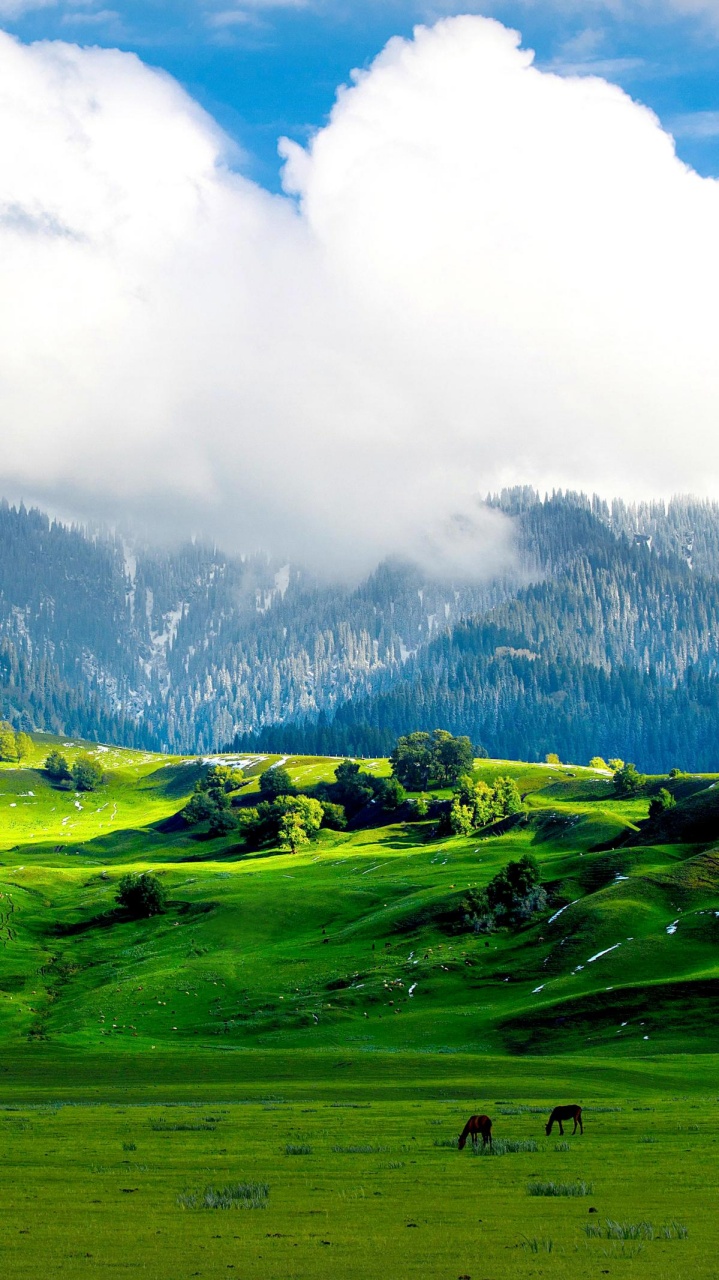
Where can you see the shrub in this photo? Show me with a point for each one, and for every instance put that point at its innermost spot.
(552, 758)
(141, 895)
(598, 762)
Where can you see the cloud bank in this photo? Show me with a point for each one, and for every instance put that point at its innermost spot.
(481, 274)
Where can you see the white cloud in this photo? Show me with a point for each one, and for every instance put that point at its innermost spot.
(696, 125)
(491, 274)
(16, 8)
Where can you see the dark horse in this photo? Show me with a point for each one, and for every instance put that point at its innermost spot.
(566, 1113)
(474, 1126)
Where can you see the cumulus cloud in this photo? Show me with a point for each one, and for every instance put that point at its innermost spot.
(480, 274)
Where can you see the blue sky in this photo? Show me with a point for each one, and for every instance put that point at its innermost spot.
(265, 68)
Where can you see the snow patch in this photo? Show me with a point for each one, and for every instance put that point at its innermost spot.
(557, 914)
(672, 928)
(603, 953)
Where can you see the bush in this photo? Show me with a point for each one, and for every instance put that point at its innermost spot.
(598, 762)
(86, 773)
(552, 758)
(141, 895)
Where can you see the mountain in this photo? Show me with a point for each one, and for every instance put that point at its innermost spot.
(603, 641)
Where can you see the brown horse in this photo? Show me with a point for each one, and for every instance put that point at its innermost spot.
(566, 1113)
(475, 1126)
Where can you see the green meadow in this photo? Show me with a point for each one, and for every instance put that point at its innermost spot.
(301, 1038)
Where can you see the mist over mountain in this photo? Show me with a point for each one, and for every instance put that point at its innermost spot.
(603, 638)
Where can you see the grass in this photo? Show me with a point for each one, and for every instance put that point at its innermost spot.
(268, 1013)
(238, 1195)
(559, 1188)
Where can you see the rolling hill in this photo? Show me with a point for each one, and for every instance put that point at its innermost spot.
(359, 941)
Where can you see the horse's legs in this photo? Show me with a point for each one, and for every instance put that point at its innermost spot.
(581, 1126)
(574, 1130)
(561, 1129)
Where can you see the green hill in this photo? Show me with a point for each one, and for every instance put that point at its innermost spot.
(360, 940)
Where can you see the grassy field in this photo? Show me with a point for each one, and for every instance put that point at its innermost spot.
(315, 1024)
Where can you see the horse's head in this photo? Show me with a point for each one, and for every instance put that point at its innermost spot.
(548, 1128)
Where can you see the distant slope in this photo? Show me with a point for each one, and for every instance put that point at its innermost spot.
(596, 642)
(615, 653)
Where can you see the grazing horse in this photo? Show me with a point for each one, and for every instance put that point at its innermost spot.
(474, 1126)
(566, 1113)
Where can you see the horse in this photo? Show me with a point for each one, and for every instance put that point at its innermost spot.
(475, 1126)
(559, 1114)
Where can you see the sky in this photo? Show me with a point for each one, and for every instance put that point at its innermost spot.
(311, 276)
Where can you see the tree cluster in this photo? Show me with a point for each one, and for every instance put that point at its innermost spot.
(476, 804)
(510, 899)
(85, 773)
(211, 803)
(421, 759)
(13, 746)
(141, 896)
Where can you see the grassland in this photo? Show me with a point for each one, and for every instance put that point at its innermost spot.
(326, 1000)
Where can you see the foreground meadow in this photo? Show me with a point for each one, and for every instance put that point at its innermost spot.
(353, 1168)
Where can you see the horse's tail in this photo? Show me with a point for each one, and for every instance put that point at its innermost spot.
(464, 1135)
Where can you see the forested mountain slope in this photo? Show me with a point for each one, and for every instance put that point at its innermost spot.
(603, 640)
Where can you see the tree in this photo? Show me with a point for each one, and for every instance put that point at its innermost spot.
(353, 788)
(86, 773)
(411, 760)
(615, 763)
(661, 802)
(333, 816)
(199, 808)
(461, 819)
(57, 767)
(23, 745)
(477, 797)
(629, 781)
(511, 898)
(390, 793)
(300, 819)
(221, 777)
(450, 757)
(552, 758)
(276, 782)
(222, 822)
(597, 762)
(8, 745)
(506, 799)
(141, 895)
